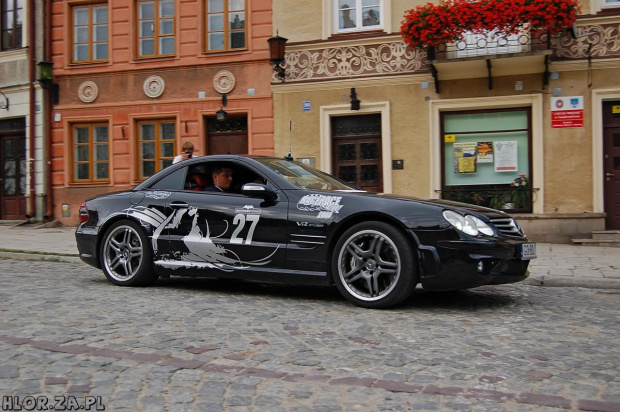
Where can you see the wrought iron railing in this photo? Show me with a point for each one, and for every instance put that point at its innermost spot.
(492, 44)
(514, 200)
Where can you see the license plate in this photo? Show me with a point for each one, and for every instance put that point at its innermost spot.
(528, 251)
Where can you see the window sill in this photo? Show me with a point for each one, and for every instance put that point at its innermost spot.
(362, 34)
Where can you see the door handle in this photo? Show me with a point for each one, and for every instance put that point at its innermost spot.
(609, 174)
(179, 205)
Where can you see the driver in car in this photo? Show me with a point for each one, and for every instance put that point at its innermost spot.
(222, 180)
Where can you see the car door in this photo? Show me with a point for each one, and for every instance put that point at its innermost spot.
(226, 234)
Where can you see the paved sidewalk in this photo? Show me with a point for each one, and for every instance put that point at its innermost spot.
(556, 265)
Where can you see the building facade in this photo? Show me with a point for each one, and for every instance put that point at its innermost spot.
(139, 78)
(23, 173)
(530, 126)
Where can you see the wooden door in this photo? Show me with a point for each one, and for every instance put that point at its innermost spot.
(356, 151)
(14, 174)
(227, 137)
(612, 178)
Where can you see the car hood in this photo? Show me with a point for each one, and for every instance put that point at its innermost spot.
(449, 204)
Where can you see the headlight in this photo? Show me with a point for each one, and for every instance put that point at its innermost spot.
(469, 224)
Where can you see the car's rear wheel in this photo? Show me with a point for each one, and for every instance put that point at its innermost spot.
(126, 256)
(373, 265)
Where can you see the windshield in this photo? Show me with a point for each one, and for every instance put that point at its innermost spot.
(304, 176)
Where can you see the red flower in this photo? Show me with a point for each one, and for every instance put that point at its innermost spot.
(436, 24)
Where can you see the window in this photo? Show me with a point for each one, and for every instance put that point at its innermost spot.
(485, 155)
(611, 3)
(226, 28)
(156, 146)
(11, 20)
(354, 15)
(91, 153)
(90, 33)
(156, 28)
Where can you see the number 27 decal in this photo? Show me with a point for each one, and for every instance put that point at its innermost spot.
(239, 221)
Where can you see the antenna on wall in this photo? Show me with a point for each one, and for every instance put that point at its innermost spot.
(289, 156)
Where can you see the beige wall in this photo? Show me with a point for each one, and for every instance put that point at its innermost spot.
(408, 121)
(309, 20)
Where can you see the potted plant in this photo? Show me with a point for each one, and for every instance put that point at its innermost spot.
(519, 196)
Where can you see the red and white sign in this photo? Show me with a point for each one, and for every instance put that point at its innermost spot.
(567, 111)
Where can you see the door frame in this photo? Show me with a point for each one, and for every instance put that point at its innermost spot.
(383, 108)
(599, 96)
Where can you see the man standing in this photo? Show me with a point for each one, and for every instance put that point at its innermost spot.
(187, 153)
(222, 179)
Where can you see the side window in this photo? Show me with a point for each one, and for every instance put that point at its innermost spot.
(90, 158)
(201, 176)
(11, 20)
(156, 28)
(226, 25)
(174, 181)
(90, 33)
(355, 15)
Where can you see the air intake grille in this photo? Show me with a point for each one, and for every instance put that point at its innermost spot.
(507, 226)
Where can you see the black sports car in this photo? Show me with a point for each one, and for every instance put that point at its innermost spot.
(284, 221)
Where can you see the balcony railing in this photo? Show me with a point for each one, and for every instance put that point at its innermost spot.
(510, 199)
(492, 43)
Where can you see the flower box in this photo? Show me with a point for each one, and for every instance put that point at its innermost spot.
(450, 21)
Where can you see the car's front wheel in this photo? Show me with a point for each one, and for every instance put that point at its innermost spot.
(126, 256)
(373, 265)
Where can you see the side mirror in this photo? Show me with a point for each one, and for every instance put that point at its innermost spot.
(259, 190)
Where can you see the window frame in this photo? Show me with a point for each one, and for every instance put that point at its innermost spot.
(17, 26)
(92, 144)
(226, 30)
(502, 187)
(157, 36)
(359, 18)
(91, 29)
(161, 162)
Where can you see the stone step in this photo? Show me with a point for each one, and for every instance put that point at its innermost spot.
(597, 242)
(606, 234)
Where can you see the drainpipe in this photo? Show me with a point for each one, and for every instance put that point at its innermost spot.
(47, 40)
(31, 124)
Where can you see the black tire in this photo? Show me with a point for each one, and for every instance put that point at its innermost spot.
(373, 265)
(126, 255)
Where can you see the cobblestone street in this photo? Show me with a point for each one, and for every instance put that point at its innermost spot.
(215, 345)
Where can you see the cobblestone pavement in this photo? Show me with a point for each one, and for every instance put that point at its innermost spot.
(211, 345)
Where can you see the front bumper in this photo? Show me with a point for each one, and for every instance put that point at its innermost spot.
(468, 263)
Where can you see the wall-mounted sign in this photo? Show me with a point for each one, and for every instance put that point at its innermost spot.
(567, 111)
(306, 106)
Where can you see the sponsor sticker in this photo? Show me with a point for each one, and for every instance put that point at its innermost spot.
(248, 210)
(325, 205)
(157, 194)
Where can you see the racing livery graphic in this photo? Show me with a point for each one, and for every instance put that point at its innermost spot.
(202, 252)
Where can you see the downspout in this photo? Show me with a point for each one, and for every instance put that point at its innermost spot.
(31, 124)
(47, 40)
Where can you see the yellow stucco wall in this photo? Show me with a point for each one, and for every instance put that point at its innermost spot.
(303, 20)
(408, 119)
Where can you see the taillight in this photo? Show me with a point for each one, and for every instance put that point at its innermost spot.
(83, 215)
